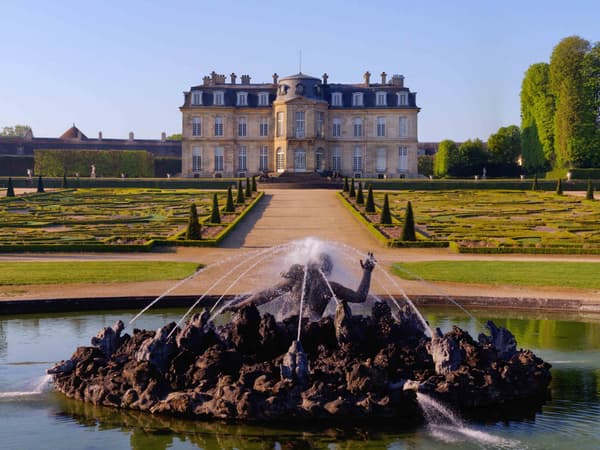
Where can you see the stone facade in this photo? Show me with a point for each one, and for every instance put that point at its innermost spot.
(299, 124)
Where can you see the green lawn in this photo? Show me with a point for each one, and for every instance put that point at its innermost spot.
(563, 274)
(59, 272)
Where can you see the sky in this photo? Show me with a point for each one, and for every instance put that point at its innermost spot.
(121, 66)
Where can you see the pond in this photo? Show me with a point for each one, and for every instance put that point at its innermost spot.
(34, 416)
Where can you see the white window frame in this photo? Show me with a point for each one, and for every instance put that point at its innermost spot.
(196, 126)
(381, 127)
(381, 98)
(280, 123)
(242, 158)
(219, 126)
(336, 127)
(218, 98)
(196, 98)
(403, 158)
(263, 99)
(357, 159)
(219, 159)
(357, 126)
(381, 156)
(263, 158)
(336, 99)
(319, 124)
(242, 127)
(403, 126)
(402, 98)
(280, 160)
(300, 128)
(357, 99)
(196, 159)
(263, 127)
(242, 99)
(336, 159)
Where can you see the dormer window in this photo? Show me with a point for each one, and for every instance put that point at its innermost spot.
(402, 98)
(196, 97)
(218, 98)
(263, 99)
(357, 99)
(242, 99)
(336, 99)
(381, 99)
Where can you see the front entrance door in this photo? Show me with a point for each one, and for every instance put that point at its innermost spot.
(319, 159)
(300, 160)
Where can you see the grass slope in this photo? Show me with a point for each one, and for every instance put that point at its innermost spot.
(517, 273)
(59, 272)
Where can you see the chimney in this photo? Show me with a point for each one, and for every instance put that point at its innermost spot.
(131, 135)
(163, 136)
(245, 79)
(206, 80)
(398, 80)
(367, 78)
(99, 135)
(213, 77)
(325, 77)
(383, 78)
(275, 78)
(233, 77)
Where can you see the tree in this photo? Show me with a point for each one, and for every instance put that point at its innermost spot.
(370, 206)
(40, 186)
(352, 189)
(193, 230)
(248, 188)
(346, 188)
(591, 89)
(566, 84)
(472, 158)
(559, 189)
(504, 148)
(215, 216)
(425, 165)
(589, 195)
(240, 193)
(360, 199)
(175, 137)
(254, 188)
(229, 206)
(10, 190)
(386, 214)
(16, 131)
(445, 158)
(408, 229)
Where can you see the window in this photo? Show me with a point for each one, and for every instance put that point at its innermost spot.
(242, 127)
(403, 158)
(380, 162)
(219, 158)
(336, 159)
(358, 128)
(263, 160)
(319, 124)
(402, 98)
(300, 160)
(218, 126)
(242, 99)
(263, 127)
(279, 124)
(357, 159)
(218, 98)
(197, 98)
(403, 126)
(196, 126)
(196, 159)
(336, 99)
(381, 127)
(280, 161)
(381, 99)
(242, 157)
(357, 99)
(299, 124)
(263, 99)
(336, 130)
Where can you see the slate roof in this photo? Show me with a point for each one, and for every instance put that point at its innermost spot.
(73, 133)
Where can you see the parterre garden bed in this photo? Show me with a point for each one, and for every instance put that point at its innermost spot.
(493, 221)
(110, 219)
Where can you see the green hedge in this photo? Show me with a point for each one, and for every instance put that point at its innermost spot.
(159, 183)
(166, 165)
(15, 165)
(108, 163)
(458, 184)
(585, 174)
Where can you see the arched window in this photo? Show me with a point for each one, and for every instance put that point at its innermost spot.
(300, 160)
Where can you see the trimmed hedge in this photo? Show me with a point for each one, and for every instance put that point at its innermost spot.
(14, 165)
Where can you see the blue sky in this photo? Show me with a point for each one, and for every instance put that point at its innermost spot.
(122, 66)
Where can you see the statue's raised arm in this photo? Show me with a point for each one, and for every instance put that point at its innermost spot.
(360, 295)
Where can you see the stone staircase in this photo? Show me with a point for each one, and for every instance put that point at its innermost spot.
(308, 180)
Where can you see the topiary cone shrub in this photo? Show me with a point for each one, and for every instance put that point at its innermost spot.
(64, 182)
(559, 189)
(352, 190)
(370, 206)
(360, 199)
(534, 186)
(240, 194)
(215, 216)
(346, 188)
(193, 230)
(408, 229)
(229, 206)
(10, 190)
(40, 186)
(248, 188)
(254, 189)
(386, 214)
(589, 194)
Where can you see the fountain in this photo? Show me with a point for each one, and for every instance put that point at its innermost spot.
(306, 346)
